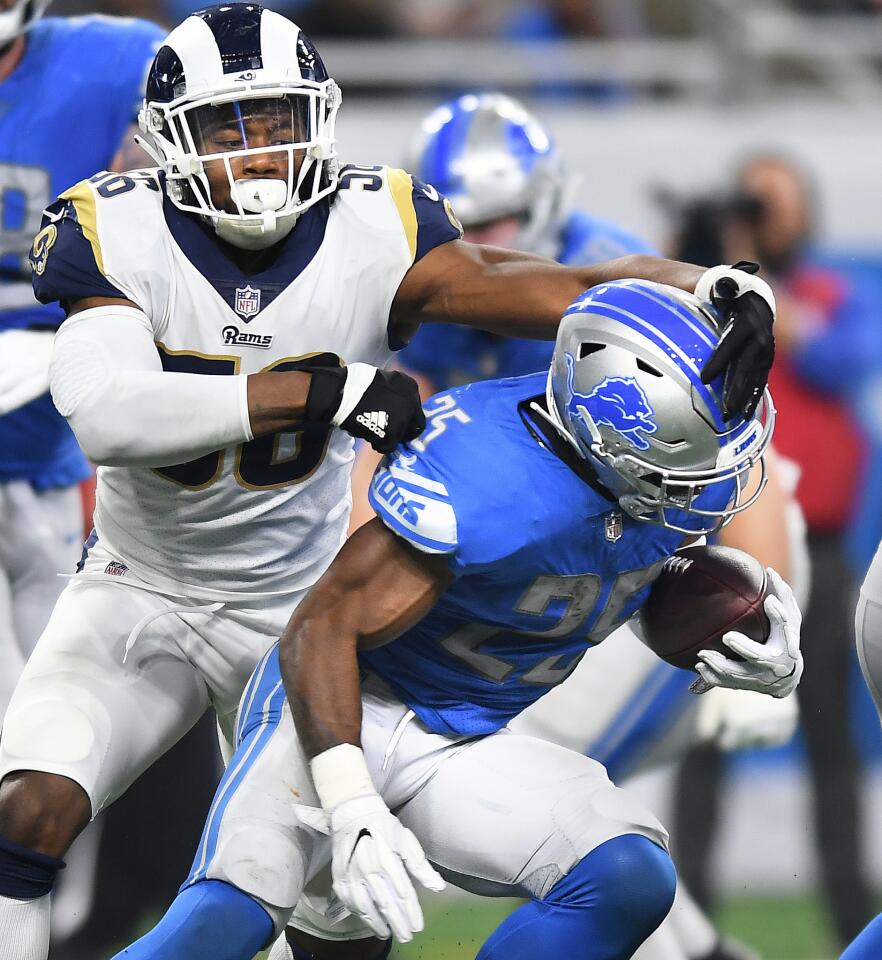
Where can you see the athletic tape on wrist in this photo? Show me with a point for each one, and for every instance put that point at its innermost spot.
(705, 287)
(747, 283)
(359, 377)
(341, 774)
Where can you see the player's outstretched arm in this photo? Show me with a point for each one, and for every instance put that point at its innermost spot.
(522, 295)
(376, 588)
(512, 293)
(107, 379)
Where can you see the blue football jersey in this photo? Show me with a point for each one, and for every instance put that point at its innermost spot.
(63, 113)
(546, 564)
(451, 355)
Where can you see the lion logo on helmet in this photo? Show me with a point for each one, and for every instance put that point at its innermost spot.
(616, 402)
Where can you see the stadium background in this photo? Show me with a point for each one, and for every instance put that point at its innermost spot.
(643, 96)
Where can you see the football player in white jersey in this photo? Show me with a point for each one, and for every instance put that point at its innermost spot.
(226, 314)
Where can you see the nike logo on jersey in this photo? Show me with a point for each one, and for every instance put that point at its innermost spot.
(376, 421)
(235, 337)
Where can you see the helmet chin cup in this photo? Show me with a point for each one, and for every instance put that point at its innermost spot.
(258, 233)
(10, 25)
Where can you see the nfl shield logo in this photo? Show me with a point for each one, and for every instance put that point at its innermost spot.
(247, 302)
(613, 526)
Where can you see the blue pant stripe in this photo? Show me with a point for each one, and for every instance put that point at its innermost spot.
(250, 693)
(641, 721)
(232, 779)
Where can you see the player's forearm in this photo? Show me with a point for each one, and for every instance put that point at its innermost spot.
(642, 266)
(525, 296)
(320, 672)
(277, 401)
(377, 587)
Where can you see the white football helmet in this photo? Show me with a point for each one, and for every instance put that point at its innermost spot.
(21, 16)
(234, 82)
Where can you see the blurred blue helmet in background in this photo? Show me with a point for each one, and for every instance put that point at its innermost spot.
(493, 159)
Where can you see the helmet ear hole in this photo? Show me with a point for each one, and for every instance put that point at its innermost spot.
(648, 368)
(586, 349)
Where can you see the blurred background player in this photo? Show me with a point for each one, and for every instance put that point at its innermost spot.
(868, 633)
(827, 347)
(500, 168)
(70, 90)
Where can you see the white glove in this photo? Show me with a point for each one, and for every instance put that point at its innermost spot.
(739, 719)
(24, 366)
(773, 667)
(373, 853)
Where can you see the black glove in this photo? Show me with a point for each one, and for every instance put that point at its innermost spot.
(747, 345)
(382, 407)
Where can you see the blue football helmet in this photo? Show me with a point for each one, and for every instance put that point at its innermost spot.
(221, 70)
(625, 391)
(492, 159)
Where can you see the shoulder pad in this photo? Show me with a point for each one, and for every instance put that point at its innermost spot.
(425, 216)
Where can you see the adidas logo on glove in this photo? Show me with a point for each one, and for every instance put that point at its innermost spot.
(375, 421)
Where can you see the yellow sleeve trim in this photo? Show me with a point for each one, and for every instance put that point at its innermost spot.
(83, 200)
(401, 187)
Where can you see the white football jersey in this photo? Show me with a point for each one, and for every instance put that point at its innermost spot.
(269, 515)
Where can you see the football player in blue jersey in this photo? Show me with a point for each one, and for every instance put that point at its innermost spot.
(69, 93)
(500, 168)
(524, 525)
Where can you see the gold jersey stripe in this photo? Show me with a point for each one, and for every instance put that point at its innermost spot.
(401, 186)
(84, 202)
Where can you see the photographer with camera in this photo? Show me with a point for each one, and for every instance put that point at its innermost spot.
(825, 332)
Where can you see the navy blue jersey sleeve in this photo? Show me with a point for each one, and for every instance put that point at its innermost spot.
(436, 221)
(427, 217)
(65, 258)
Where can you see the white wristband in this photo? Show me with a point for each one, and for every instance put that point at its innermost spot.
(747, 283)
(358, 379)
(341, 774)
(705, 287)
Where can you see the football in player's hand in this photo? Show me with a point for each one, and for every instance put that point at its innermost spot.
(701, 594)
